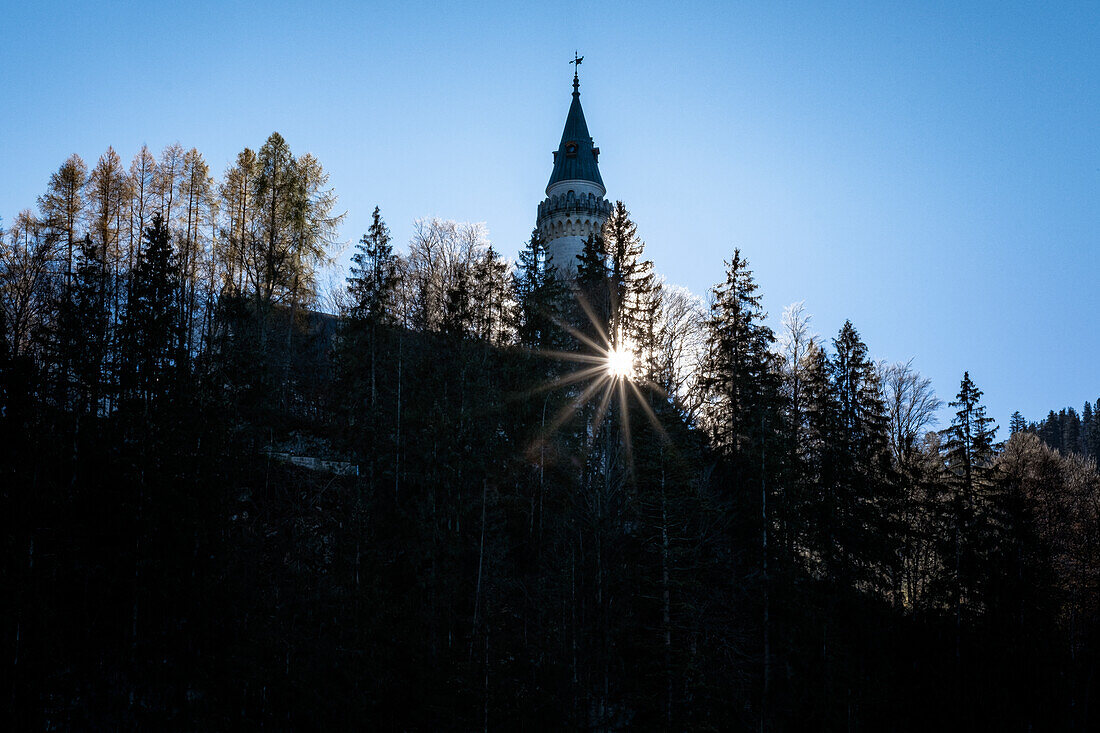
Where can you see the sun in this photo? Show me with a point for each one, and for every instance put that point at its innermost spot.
(620, 363)
(606, 380)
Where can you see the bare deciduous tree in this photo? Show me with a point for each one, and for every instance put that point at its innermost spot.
(24, 278)
(911, 404)
(441, 253)
(796, 343)
(680, 345)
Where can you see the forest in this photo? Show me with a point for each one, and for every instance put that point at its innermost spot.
(464, 492)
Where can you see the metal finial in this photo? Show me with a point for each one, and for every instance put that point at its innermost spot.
(576, 67)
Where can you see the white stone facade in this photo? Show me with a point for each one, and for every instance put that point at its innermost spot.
(572, 211)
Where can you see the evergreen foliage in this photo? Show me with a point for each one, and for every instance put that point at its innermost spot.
(540, 298)
(151, 324)
(372, 284)
(439, 509)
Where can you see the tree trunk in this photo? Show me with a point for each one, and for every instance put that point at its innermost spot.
(764, 548)
(666, 599)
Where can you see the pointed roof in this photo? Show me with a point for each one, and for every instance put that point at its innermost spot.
(576, 157)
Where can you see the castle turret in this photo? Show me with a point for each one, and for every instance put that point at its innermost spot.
(575, 206)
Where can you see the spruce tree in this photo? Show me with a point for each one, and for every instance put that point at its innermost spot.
(458, 311)
(151, 324)
(630, 279)
(740, 376)
(8, 391)
(86, 325)
(745, 419)
(968, 451)
(1050, 430)
(592, 309)
(490, 297)
(540, 298)
(1071, 431)
(1094, 431)
(373, 280)
(1089, 431)
(370, 316)
(864, 486)
(812, 508)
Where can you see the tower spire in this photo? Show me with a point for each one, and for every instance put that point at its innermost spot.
(575, 207)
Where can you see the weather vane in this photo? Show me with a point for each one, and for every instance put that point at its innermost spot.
(576, 67)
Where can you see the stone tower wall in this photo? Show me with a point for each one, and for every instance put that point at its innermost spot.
(565, 221)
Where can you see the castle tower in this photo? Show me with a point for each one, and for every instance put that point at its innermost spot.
(575, 206)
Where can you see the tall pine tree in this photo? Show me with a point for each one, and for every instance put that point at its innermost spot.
(968, 452)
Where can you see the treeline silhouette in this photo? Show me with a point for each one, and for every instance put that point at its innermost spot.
(434, 507)
(1065, 431)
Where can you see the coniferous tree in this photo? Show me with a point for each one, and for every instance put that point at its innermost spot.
(740, 373)
(276, 190)
(1096, 429)
(62, 205)
(7, 389)
(151, 325)
(108, 196)
(813, 508)
(490, 297)
(630, 279)
(143, 175)
(239, 206)
(294, 227)
(373, 280)
(606, 308)
(86, 327)
(196, 203)
(107, 189)
(369, 317)
(312, 228)
(756, 546)
(594, 287)
(169, 172)
(1090, 431)
(1071, 431)
(540, 298)
(458, 312)
(968, 452)
(1050, 430)
(865, 487)
(744, 417)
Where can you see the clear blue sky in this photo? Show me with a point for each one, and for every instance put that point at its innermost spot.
(929, 170)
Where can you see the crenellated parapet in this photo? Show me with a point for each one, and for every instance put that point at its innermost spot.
(572, 215)
(574, 203)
